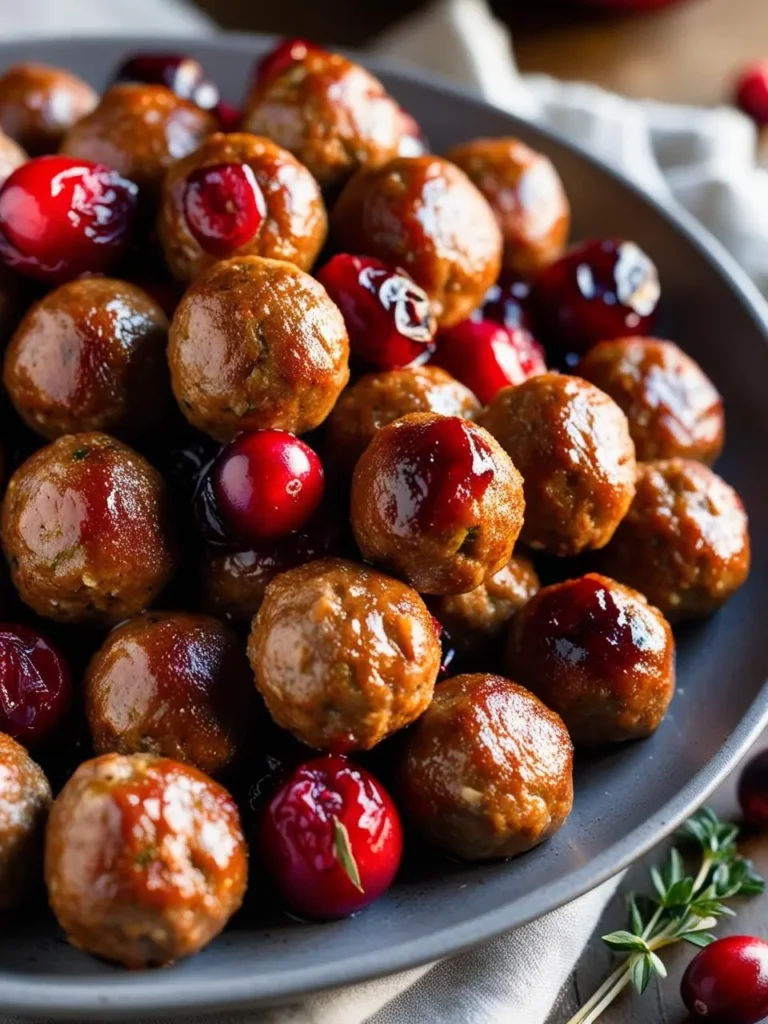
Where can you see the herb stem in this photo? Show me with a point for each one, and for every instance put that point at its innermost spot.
(609, 997)
(703, 874)
(610, 981)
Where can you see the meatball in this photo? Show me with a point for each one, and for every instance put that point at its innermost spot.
(571, 443)
(140, 130)
(332, 114)
(343, 655)
(488, 770)
(684, 542)
(84, 528)
(378, 399)
(145, 859)
(436, 500)
(172, 684)
(90, 355)
(257, 343)
(527, 196)
(672, 406)
(39, 104)
(599, 655)
(425, 215)
(278, 209)
(475, 619)
(25, 797)
(11, 157)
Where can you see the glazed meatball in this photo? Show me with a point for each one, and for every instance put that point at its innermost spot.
(343, 655)
(527, 196)
(145, 859)
(140, 130)
(25, 797)
(672, 406)
(11, 157)
(257, 343)
(425, 215)
(475, 619)
(571, 443)
(599, 655)
(487, 771)
(378, 399)
(684, 542)
(85, 529)
(90, 355)
(436, 500)
(39, 104)
(239, 195)
(171, 684)
(332, 114)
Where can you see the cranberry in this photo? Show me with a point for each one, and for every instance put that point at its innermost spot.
(752, 92)
(727, 982)
(224, 207)
(61, 217)
(229, 116)
(262, 486)
(35, 688)
(388, 316)
(183, 75)
(331, 837)
(598, 290)
(279, 59)
(753, 790)
(506, 302)
(486, 356)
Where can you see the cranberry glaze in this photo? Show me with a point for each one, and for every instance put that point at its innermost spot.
(35, 685)
(25, 798)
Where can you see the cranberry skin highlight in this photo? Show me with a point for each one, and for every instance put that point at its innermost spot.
(507, 302)
(279, 59)
(727, 982)
(752, 92)
(182, 75)
(224, 207)
(35, 685)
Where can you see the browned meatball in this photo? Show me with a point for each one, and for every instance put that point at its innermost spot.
(378, 399)
(39, 104)
(527, 196)
(332, 114)
(172, 684)
(140, 130)
(85, 530)
(672, 406)
(11, 157)
(425, 215)
(145, 859)
(90, 355)
(684, 542)
(436, 500)
(599, 655)
(25, 797)
(294, 223)
(487, 771)
(572, 445)
(474, 620)
(257, 343)
(343, 655)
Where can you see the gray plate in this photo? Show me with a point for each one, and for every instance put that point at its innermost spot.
(626, 800)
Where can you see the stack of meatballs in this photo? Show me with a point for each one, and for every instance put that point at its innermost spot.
(294, 413)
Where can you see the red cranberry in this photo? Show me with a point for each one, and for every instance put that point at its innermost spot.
(279, 59)
(183, 75)
(388, 317)
(506, 302)
(727, 982)
(35, 688)
(752, 92)
(61, 217)
(331, 837)
(486, 357)
(229, 116)
(224, 207)
(753, 790)
(598, 290)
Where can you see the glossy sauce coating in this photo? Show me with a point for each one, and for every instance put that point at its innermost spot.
(488, 770)
(39, 104)
(599, 655)
(343, 655)
(257, 343)
(572, 445)
(90, 355)
(435, 499)
(25, 798)
(425, 215)
(145, 860)
(85, 530)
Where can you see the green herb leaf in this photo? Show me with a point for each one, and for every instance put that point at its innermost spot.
(625, 941)
(635, 917)
(658, 883)
(343, 850)
(641, 973)
(80, 453)
(679, 893)
(657, 965)
(676, 871)
(700, 939)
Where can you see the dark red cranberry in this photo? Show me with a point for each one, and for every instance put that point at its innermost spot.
(487, 356)
(229, 116)
(600, 289)
(388, 316)
(61, 217)
(727, 982)
(183, 75)
(35, 687)
(279, 59)
(752, 92)
(224, 207)
(753, 790)
(331, 838)
(507, 302)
